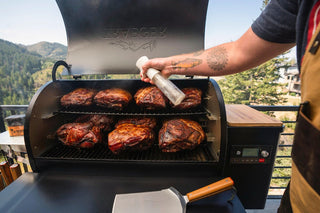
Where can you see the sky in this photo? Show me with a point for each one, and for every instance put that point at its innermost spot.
(227, 20)
(31, 21)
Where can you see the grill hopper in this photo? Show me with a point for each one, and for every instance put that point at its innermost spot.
(107, 37)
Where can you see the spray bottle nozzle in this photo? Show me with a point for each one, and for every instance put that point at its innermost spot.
(173, 93)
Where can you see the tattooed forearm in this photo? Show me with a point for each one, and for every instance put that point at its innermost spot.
(186, 63)
(217, 58)
(198, 53)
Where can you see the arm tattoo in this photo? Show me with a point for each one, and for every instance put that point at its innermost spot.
(186, 63)
(198, 53)
(217, 58)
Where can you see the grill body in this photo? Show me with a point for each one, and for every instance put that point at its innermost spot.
(45, 116)
(213, 159)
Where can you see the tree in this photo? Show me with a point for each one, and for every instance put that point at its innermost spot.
(258, 85)
(264, 3)
(255, 86)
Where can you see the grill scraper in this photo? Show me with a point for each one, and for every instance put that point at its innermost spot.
(166, 200)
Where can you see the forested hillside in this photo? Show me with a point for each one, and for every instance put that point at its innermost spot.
(17, 65)
(49, 50)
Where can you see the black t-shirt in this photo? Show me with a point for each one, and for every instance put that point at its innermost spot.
(287, 21)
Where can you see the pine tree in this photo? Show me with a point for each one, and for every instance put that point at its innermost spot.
(255, 86)
(258, 85)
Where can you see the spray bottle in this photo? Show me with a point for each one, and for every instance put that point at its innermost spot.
(173, 93)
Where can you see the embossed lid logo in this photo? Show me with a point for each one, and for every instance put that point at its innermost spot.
(130, 38)
(127, 33)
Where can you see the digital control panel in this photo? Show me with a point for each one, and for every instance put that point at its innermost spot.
(250, 154)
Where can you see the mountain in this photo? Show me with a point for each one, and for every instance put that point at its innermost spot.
(54, 51)
(17, 59)
(17, 65)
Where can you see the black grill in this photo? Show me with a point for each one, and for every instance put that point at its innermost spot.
(45, 115)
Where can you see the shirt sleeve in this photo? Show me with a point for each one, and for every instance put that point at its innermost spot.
(277, 22)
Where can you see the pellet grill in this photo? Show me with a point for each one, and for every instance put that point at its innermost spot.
(107, 37)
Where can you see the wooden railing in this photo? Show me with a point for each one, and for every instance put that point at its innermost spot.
(7, 110)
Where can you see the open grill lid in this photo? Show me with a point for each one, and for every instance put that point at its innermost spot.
(108, 36)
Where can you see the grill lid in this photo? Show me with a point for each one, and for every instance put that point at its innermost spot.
(108, 36)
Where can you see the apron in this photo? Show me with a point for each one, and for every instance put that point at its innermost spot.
(303, 192)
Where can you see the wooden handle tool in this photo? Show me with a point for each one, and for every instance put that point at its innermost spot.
(212, 189)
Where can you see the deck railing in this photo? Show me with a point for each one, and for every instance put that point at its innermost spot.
(282, 168)
(6, 110)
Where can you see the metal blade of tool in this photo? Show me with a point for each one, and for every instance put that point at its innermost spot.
(166, 200)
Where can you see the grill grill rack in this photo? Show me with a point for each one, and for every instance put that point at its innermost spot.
(135, 113)
(194, 114)
(132, 110)
(203, 153)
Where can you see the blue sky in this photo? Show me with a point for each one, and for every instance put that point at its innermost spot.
(227, 20)
(31, 21)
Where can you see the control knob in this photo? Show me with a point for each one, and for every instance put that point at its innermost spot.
(264, 153)
(238, 152)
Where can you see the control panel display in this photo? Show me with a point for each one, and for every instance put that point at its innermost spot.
(250, 152)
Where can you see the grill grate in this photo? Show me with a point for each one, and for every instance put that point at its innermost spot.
(132, 110)
(100, 152)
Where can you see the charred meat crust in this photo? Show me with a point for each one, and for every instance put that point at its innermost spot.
(180, 134)
(114, 98)
(150, 98)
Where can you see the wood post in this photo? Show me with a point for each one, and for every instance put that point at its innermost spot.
(6, 173)
(1, 183)
(15, 171)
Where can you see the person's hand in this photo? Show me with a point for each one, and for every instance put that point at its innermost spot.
(161, 64)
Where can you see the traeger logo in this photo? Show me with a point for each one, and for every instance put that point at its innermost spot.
(128, 33)
(135, 38)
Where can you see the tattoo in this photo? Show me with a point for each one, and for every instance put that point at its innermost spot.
(198, 53)
(185, 64)
(217, 58)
